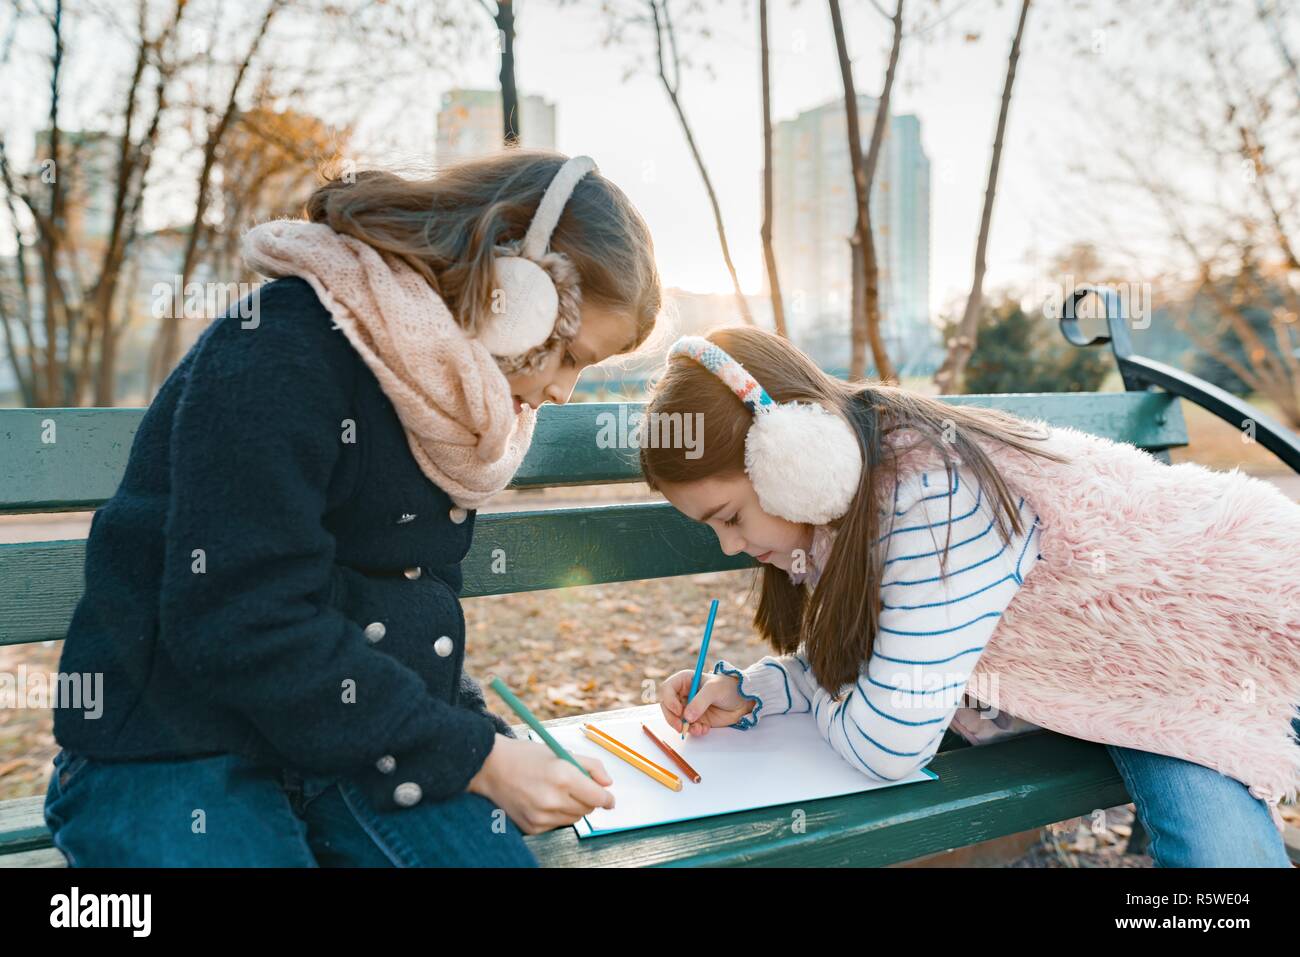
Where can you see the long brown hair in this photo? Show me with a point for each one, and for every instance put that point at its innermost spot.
(836, 623)
(445, 225)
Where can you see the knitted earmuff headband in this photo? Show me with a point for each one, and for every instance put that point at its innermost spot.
(537, 306)
(802, 458)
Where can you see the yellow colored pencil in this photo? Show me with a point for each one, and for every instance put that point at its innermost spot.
(646, 766)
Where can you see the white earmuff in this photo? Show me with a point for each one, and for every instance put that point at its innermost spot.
(804, 462)
(803, 459)
(525, 302)
(528, 307)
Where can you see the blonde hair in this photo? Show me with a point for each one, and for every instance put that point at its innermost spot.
(837, 622)
(446, 225)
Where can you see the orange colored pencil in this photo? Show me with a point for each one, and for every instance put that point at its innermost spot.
(677, 758)
(638, 761)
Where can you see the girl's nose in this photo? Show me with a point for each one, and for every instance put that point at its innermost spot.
(560, 392)
(731, 544)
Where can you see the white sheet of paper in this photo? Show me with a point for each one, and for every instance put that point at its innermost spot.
(781, 760)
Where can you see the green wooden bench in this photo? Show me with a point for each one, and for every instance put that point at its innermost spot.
(982, 793)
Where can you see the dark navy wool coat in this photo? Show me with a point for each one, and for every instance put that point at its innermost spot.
(276, 578)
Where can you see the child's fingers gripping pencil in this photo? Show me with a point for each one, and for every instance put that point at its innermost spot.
(519, 708)
(699, 663)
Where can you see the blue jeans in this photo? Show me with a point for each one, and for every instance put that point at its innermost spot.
(223, 811)
(1195, 816)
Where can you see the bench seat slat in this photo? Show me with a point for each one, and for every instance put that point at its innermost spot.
(22, 825)
(582, 444)
(48, 857)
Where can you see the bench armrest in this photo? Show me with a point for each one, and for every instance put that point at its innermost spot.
(1139, 373)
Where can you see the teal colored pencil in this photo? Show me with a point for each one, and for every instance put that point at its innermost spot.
(521, 709)
(699, 662)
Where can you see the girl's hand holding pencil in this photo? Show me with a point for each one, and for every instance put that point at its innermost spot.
(717, 704)
(540, 786)
(684, 697)
(538, 790)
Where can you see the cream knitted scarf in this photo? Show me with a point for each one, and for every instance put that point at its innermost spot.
(452, 399)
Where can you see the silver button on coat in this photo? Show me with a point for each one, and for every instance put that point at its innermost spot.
(444, 646)
(375, 631)
(386, 764)
(413, 573)
(407, 794)
(458, 514)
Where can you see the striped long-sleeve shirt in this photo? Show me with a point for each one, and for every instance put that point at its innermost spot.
(889, 723)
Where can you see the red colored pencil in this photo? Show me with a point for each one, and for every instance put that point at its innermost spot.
(677, 758)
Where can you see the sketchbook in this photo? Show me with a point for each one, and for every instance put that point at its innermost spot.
(781, 760)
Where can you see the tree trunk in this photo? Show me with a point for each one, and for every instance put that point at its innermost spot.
(505, 20)
(133, 164)
(864, 323)
(169, 335)
(671, 88)
(769, 254)
(51, 283)
(950, 376)
(857, 312)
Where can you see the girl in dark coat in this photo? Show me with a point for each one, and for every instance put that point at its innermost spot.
(272, 593)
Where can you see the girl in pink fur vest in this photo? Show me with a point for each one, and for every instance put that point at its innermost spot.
(916, 552)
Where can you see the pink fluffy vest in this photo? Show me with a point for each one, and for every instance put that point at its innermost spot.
(1164, 615)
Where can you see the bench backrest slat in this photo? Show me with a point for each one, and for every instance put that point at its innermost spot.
(59, 460)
